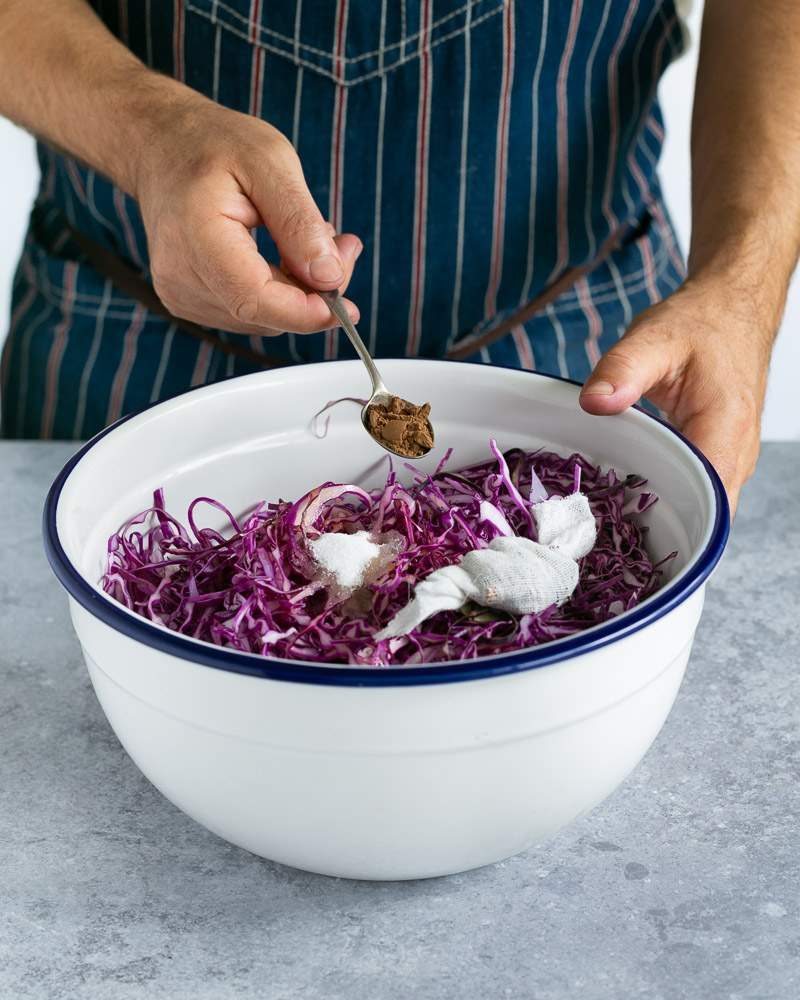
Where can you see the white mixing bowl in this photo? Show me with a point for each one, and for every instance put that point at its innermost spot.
(379, 773)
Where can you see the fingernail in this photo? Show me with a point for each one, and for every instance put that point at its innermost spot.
(599, 389)
(359, 250)
(326, 269)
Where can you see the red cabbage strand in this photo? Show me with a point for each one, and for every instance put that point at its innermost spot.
(256, 587)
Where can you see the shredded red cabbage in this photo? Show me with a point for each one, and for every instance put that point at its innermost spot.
(258, 589)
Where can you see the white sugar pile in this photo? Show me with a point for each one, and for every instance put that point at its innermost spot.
(345, 557)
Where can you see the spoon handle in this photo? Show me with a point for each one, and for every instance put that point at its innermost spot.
(334, 302)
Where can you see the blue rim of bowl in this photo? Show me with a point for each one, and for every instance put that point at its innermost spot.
(107, 610)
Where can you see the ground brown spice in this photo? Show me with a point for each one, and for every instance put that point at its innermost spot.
(402, 426)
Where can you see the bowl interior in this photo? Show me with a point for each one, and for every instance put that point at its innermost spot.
(251, 438)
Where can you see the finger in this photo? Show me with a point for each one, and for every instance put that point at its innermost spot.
(729, 442)
(206, 311)
(249, 291)
(319, 318)
(350, 248)
(303, 238)
(641, 359)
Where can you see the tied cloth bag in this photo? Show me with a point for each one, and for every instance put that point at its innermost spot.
(512, 574)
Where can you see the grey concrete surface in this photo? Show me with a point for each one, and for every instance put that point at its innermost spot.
(684, 884)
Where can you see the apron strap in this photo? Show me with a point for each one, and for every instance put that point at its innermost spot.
(138, 288)
(469, 345)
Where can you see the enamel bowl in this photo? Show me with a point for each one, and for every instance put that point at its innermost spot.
(375, 773)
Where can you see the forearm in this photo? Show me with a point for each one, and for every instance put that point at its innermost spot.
(66, 78)
(746, 150)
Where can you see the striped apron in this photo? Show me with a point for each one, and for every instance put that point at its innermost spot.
(480, 149)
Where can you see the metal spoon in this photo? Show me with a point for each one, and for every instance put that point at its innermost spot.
(380, 394)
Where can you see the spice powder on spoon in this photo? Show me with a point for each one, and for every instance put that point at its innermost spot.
(401, 425)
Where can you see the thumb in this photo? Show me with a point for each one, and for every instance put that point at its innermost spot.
(303, 238)
(639, 361)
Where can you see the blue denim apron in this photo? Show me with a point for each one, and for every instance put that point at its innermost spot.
(478, 147)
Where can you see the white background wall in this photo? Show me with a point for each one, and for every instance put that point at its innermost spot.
(782, 415)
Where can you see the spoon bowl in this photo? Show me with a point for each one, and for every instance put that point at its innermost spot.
(401, 427)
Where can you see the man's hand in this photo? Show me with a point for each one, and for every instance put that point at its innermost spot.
(212, 175)
(702, 357)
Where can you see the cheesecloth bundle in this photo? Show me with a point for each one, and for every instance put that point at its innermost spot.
(513, 573)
